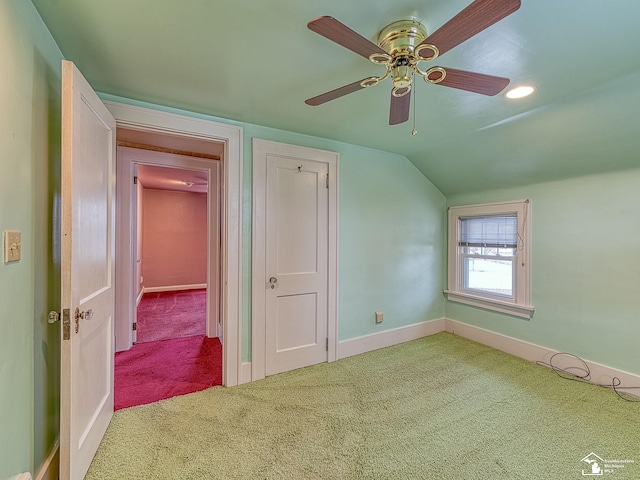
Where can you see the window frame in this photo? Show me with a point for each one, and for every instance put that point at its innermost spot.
(519, 304)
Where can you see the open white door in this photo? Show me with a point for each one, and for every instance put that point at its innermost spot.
(87, 268)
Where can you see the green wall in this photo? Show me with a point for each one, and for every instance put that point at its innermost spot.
(392, 252)
(585, 259)
(29, 159)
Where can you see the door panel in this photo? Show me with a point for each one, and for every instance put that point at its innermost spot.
(294, 257)
(297, 256)
(87, 268)
(296, 322)
(295, 217)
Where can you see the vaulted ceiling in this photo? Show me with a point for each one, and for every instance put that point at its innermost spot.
(255, 61)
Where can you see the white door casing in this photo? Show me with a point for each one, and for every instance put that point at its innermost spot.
(156, 121)
(127, 161)
(87, 270)
(294, 264)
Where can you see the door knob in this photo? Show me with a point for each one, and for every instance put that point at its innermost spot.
(88, 315)
(273, 281)
(53, 316)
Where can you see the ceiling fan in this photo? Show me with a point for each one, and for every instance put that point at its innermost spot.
(404, 44)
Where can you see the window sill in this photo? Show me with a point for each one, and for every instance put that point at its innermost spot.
(522, 311)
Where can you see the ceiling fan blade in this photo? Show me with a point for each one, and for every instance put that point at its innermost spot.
(337, 32)
(399, 111)
(476, 17)
(473, 81)
(333, 94)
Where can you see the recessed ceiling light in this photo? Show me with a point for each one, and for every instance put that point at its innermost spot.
(520, 92)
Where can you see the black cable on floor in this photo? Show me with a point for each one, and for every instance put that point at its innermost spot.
(582, 373)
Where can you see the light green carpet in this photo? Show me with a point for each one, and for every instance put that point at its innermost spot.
(441, 407)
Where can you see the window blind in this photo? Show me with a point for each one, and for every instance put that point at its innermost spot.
(494, 232)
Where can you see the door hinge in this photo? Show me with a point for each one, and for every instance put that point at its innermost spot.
(327, 177)
(135, 326)
(327, 345)
(135, 180)
(66, 324)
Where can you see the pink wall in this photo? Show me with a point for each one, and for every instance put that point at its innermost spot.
(174, 238)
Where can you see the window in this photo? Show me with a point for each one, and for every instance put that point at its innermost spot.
(489, 257)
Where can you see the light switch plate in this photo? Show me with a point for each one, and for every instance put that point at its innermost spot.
(12, 245)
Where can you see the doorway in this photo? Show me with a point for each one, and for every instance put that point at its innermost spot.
(180, 130)
(172, 269)
(174, 200)
(173, 294)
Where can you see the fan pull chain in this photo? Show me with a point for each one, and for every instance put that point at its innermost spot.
(414, 132)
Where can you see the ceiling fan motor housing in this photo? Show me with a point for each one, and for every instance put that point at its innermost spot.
(399, 39)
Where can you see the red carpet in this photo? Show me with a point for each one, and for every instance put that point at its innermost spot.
(164, 315)
(149, 372)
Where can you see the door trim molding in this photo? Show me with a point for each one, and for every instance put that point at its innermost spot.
(126, 215)
(258, 298)
(155, 121)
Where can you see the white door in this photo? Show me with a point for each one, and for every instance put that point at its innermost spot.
(298, 211)
(87, 268)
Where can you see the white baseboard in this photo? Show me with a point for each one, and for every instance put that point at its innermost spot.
(50, 469)
(513, 346)
(171, 288)
(139, 297)
(600, 374)
(374, 341)
(245, 373)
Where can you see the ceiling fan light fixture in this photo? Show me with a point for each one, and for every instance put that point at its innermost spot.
(402, 74)
(520, 92)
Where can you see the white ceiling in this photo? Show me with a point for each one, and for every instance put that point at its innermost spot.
(169, 178)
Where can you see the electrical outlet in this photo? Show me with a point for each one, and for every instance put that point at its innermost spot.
(379, 317)
(12, 245)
